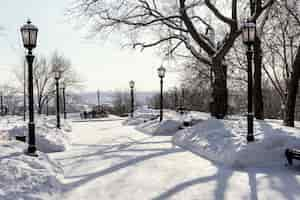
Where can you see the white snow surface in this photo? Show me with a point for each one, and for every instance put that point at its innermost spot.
(155, 127)
(147, 121)
(23, 177)
(110, 161)
(224, 141)
(48, 137)
(141, 115)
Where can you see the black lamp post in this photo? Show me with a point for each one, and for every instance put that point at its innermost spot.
(98, 98)
(131, 85)
(64, 100)
(161, 74)
(1, 102)
(249, 34)
(29, 37)
(175, 99)
(47, 105)
(24, 99)
(57, 75)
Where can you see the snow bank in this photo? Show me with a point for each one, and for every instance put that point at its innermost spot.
(224, 141)
(155, 127)
(48, 137)
(142, 115)
(25, 177)
(146, 120)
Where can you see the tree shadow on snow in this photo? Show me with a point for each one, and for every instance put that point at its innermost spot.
(103, 152)
(91, 176)
(280, 180)
(221, 177)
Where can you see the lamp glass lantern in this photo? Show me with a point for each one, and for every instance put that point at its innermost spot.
(249, 32)
(131, 84)
(29, 35)
(161, 71)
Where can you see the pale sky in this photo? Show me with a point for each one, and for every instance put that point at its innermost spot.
(101, 65)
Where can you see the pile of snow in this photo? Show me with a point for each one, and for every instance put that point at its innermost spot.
(26, 177)
(48, 137)
(142, 115)
(146, 121)
(224, 141)
(155, 127)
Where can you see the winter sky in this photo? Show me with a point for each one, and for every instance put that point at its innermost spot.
(102, 65)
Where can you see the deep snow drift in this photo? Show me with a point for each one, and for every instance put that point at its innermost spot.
(48, 138)
(224, 141)
(26, 177)
(147, 121)
(142, 115)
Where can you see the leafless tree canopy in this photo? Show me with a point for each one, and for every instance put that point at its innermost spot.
(185, 22)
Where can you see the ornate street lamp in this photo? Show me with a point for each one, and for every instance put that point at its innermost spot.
(249, 34)
(29, 37)
(131, 85)
(57, 76)
(161, 74)
(64, 100)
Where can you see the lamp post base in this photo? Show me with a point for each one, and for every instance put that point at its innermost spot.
(250, 136)
(32, 151)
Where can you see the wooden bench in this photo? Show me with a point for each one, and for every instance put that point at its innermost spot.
(292, 154)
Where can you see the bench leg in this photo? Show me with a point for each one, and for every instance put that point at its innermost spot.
(289, 157)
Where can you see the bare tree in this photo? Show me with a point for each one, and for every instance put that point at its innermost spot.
(176, 24)
(43, 75)
(282, 54)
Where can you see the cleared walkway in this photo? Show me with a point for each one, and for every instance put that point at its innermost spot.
(111, 161)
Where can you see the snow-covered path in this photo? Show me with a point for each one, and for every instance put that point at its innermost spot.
(111, 161)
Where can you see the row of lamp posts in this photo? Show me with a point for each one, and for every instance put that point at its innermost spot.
(57, 77)
(161, 74)
(29, 37)
(249, 36)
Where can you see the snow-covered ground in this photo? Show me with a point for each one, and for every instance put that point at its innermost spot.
(24, 177)
(110, 159)
(48, 138)
(27, 178)
(224, 141)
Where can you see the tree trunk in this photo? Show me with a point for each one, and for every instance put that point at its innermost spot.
(40, 107)
(292, 92)
(257, 92)
(219, 94)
